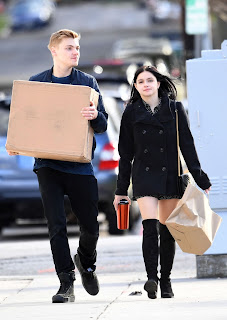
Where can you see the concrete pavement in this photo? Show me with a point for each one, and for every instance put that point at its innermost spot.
(30, 298)
(121, 296)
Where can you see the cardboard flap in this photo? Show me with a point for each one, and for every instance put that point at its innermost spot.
(95, 97)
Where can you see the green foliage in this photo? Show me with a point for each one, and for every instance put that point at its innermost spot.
(3, 22)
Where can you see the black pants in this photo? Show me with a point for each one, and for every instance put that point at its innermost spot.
(83, 195)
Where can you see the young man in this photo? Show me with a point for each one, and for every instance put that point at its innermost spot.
(59, 178)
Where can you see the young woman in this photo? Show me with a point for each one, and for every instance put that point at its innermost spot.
(148, 151)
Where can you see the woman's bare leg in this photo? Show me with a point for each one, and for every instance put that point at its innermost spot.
(148, 207)
(165, 207)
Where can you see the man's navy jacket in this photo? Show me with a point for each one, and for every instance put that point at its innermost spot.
(79, 78)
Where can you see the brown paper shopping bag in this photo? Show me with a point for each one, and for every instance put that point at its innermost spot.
(193, 224)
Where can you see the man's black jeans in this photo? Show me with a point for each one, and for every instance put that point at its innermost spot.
(83, 195)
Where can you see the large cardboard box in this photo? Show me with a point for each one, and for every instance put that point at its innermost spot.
(46, 122)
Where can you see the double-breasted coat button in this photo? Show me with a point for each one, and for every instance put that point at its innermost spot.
(144, 131)
(161, 149)
(163, 168)
(147, 168)
(160, 131)
(145, 151)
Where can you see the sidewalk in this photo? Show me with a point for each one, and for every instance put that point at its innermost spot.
(30, 297)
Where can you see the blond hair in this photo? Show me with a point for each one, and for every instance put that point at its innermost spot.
(57, 37)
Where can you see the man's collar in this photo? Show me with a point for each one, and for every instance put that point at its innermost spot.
(50, 72)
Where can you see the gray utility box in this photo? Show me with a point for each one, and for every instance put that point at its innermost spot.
(207, 107)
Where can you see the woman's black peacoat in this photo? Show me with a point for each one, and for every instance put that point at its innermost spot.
(148, 150)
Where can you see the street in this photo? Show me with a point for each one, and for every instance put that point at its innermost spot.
(28, 281)
(26, 252)
(25, 53)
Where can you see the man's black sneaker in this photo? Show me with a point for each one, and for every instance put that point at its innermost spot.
(66, 290)
(89, 279)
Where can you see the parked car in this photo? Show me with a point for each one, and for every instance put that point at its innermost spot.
(160, 52)
(145, 46)
(19, 192)
(31, 14)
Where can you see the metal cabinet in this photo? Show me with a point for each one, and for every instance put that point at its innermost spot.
(207, 107)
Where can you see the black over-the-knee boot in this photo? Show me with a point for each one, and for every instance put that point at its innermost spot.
(167, 253)
(150, 255)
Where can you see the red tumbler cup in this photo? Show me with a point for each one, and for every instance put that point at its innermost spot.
(123, 214)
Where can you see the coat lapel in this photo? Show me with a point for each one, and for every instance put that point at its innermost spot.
(164, 114)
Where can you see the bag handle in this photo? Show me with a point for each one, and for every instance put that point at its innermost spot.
(178, 147)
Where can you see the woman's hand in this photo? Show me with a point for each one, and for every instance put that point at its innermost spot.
(90, 113)
(207, 190)
(117, 200)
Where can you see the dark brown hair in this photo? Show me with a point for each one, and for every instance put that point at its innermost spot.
(166, 84)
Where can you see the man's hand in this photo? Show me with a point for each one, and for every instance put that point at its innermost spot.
(11, 153)
(90, 113)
